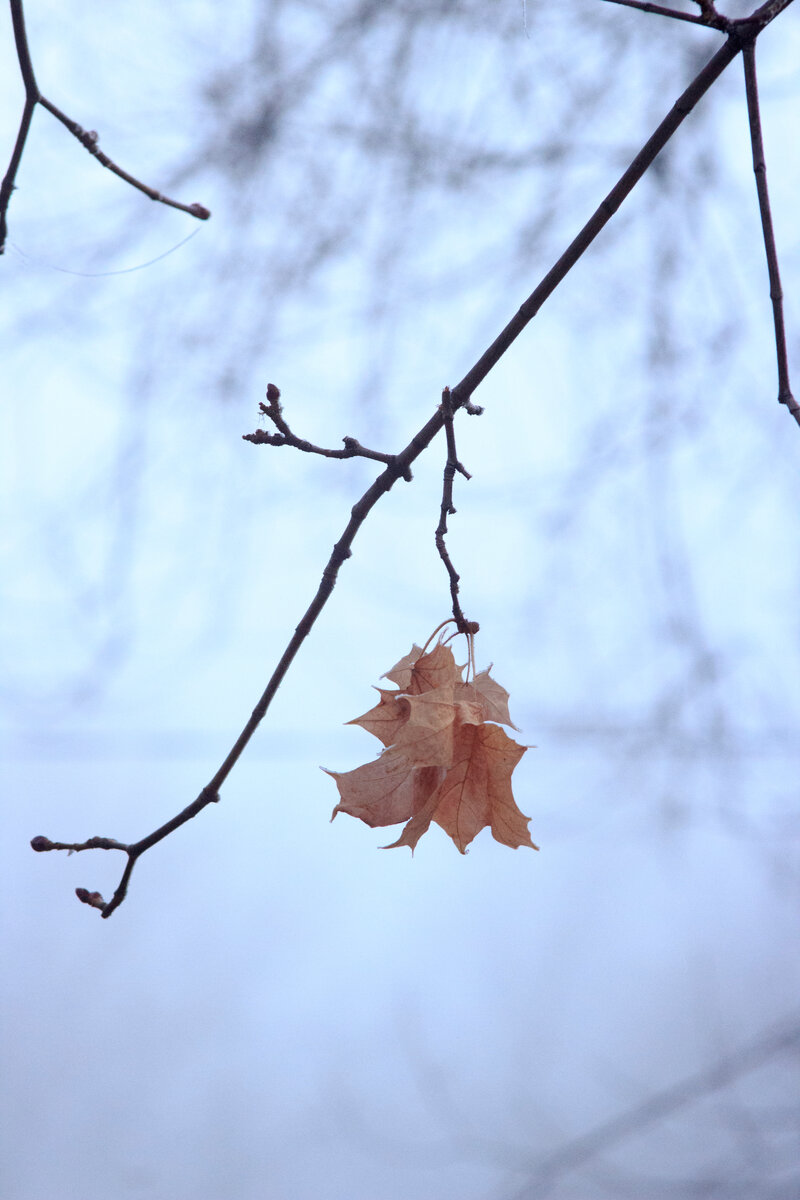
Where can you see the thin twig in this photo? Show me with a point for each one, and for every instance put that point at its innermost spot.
(133, 850)
(285, 437)
(760, 168)
(31, 99)
(87, 139)
(460, 397)
(93, 843)
(452, 464)
(659, 10)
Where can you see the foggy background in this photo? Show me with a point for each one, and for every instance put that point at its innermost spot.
(280, 1009)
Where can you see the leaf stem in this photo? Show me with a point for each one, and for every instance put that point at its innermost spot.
(449, 621)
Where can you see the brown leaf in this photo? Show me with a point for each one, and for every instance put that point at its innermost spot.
(401, 671)
(489, 695)
(418, 824)
(446, 760)
(475, 792)
(477, 789)
(418, 672)
(386, 791)
(426, 738)
(468, 713)
(385, 720)
(419, 725)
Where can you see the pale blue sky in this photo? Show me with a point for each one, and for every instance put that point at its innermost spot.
(280, 1009)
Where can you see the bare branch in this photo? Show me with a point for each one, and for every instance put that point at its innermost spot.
(775, 290)
(452, 464)
(89, 140)
(133, 851)
(41, 844)
(31, 99)
(399, 466)
(284, 437)
(710, 16)
(659, 10)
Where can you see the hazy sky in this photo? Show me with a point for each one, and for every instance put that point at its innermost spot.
(281, 1009)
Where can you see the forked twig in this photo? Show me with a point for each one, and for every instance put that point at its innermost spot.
(133, 850)
(285, 437)
(399, 466)
(89, 140)
(760, 168)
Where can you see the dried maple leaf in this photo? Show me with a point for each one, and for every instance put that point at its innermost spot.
(442, 761)
(401, 671)
(421, 724)
(426, 737)
(385, 719)
(476, 791)
(386, 791)
(419, 672)
(491, 697)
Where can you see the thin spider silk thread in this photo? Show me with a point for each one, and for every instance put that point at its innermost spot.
(38, 262)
